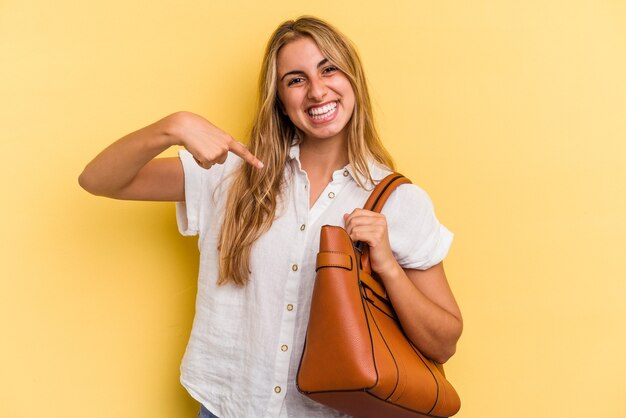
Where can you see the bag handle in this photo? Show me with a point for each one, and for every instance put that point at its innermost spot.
(375, 203)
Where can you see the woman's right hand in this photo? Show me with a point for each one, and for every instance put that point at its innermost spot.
(128, 169)
(207, 143)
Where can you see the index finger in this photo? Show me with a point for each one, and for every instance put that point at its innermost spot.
(365, 212)
(241, 150)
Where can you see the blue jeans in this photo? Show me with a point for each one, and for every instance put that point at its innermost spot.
(205, 413)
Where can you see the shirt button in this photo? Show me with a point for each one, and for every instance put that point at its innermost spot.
(290, 307)
(294, 267)
(331, 195)
(277, 389)
(302, 227)
(345, 173)
(284, 347)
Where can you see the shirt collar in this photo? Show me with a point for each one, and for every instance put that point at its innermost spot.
(377, 170)
(294, 151)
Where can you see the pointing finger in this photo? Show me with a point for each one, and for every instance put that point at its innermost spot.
(240, 149)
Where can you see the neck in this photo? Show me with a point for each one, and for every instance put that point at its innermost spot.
(321, 157)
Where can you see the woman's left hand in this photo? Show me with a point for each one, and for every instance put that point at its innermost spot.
(371, 227)
(421, 298)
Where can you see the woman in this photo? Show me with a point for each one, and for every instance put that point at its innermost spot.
(314, 156)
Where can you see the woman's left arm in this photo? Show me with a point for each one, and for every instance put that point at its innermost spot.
(422, 299)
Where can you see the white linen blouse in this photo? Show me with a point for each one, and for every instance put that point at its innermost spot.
(245, 345)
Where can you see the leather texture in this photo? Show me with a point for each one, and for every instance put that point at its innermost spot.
(356, 357)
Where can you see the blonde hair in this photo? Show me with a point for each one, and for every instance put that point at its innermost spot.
(252, 200)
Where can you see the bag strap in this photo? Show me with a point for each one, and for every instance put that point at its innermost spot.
(381, 192)
(375, 203)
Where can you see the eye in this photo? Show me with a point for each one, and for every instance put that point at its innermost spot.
(330, 69)
(294, 80)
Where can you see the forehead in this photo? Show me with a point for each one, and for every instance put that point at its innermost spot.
(300, 54)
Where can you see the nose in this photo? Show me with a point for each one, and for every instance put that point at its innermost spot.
(317, 89)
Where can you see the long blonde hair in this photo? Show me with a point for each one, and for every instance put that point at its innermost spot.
(253, 197)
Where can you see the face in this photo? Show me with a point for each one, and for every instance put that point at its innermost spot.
(316, 95)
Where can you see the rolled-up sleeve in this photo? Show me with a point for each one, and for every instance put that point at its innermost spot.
(417, 238)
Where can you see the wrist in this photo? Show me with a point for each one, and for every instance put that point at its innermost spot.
(391, 271)
(171, 128)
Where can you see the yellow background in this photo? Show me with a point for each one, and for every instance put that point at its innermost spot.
(511, 114)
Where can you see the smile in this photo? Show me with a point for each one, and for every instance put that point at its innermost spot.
(322, 113)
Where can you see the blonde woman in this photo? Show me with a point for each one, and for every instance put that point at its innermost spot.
(313, 157)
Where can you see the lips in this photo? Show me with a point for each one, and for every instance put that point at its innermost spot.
(322, 113)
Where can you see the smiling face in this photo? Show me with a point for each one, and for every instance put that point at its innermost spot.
(316, 96)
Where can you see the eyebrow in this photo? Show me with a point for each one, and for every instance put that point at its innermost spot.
(319, 64)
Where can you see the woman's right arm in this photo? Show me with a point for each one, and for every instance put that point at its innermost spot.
(128, 169)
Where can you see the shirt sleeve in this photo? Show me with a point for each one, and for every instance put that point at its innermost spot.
(188, 211)
(417, 238)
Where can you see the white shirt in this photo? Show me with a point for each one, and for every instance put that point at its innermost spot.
(245, 344)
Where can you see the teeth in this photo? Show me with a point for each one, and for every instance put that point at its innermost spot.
(322, 111)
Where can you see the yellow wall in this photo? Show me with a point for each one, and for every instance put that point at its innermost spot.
(511, 114)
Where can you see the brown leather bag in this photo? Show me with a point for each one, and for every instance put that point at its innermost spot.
(356, 357)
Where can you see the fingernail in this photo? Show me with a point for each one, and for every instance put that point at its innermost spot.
(260, 164)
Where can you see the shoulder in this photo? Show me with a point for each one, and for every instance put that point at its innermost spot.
(408, 197)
